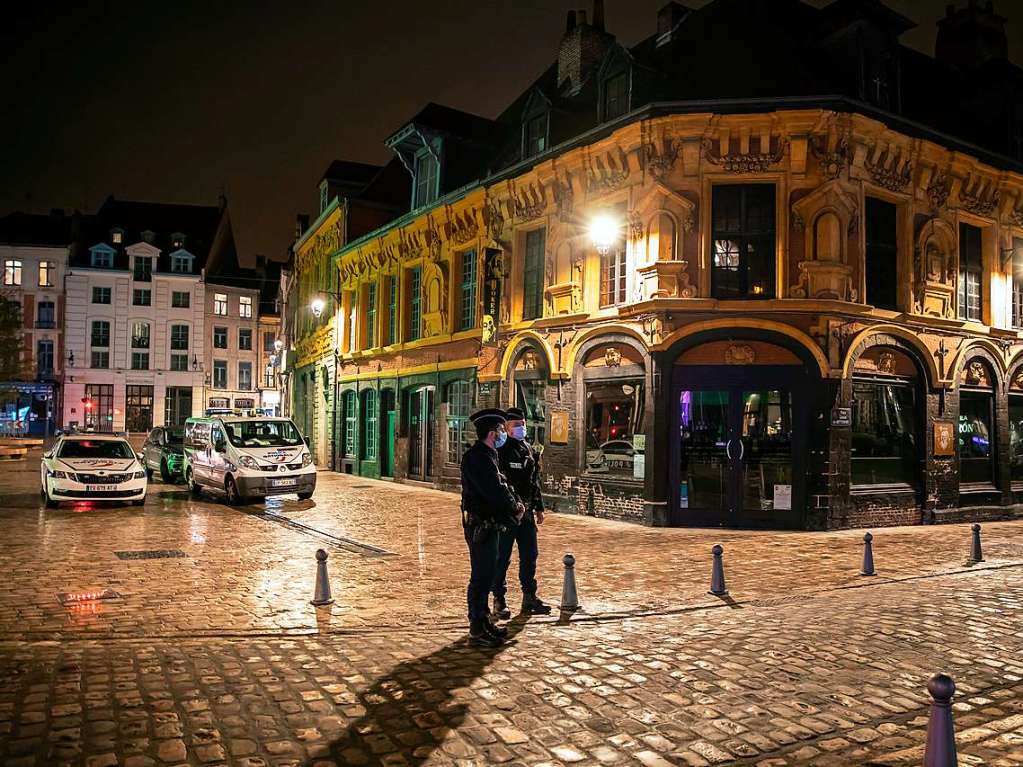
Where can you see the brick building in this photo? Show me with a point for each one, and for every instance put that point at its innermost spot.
(783, 290)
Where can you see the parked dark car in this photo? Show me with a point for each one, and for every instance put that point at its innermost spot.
(163, 450)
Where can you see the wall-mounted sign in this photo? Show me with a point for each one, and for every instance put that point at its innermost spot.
(841, 417)
(559, 427)
(783, 496)
(493, 271)
(486, 389)
(944, 438)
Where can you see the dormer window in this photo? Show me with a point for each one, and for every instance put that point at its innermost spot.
(181, 263)
(143, 271)
(101, 256)
(427, 173)
(616, 95)
(535, 131)
(116, 236)
(324, 195)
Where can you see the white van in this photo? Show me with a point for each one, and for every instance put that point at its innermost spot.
(247, 458)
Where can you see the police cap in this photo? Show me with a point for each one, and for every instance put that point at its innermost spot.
(487, 419)
(514, 414)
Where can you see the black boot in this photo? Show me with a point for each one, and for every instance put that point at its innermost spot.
(533, 605)
(480, 636)
(500, 610)
(498, 631)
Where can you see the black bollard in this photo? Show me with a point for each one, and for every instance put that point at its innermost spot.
(940, 750)
(868, 555)
(321, 596)
(569, 596)
(717, 574)
(975, 553)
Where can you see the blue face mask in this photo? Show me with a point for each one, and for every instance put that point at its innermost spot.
(502, 437)
(519, 432)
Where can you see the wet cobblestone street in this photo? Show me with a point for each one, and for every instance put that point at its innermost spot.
(215, 656)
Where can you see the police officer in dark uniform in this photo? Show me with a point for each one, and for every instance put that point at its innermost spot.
(520, 463)
(488, 506)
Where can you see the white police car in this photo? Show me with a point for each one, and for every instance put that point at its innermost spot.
(92, 467)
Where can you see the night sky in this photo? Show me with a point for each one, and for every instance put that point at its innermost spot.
(172, 101)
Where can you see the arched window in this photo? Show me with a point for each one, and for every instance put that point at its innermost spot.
(530, 376)
(369, 425)
(976, 424)
(885, 419)
(460, 432)
(661, 238)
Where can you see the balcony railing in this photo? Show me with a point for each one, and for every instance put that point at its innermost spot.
(140, 342)
(46, 324)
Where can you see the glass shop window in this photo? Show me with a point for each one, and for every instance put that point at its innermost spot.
(614, 415)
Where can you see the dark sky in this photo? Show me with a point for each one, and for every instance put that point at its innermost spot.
(170, 101)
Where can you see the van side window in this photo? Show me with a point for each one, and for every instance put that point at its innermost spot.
(218, 435)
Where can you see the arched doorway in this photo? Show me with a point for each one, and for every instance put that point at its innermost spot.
(529, 378)
(976, 429)
(742, 413)
(420, 433)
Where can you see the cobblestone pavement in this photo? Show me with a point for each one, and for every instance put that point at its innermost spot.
(216, 657)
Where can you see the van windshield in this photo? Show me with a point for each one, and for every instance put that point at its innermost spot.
(263, 434)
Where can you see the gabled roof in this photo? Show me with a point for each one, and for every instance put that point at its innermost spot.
(441, 119)
(350, 172)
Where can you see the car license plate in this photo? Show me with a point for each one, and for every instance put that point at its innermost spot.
(286, 482)
(96, 488)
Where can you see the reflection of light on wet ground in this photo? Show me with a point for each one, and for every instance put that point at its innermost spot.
(81, 506)
(197, 528)
(275, 504)
(420, 545)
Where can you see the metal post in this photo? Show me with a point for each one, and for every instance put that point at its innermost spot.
(976, 555)
(322, 594)
(569, 597)
(868, 556)
(940, 750)
(717, 575)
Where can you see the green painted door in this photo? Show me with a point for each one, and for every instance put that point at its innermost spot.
(387, 433)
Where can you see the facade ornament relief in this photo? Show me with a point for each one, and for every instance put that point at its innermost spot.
(564, 196)
(432, 238)
(461, 228)
(528, 201)
(324, 245)
(740, 354)
(828, 215)
(832, 161)
(635, 223)
(886, 363)
(1017, 382)
(976, 374)
(938, 190)
(493, 219)
(890, 168)
(606, 171)
(1015, 216)
(612, 357)
(935, 268)
(660, 155)
(979, 196)
(748, 162)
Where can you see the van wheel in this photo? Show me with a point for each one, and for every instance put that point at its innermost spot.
(165, 473)
(193, 488)
(231, 489)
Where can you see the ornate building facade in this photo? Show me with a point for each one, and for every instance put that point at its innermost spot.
(775, 309)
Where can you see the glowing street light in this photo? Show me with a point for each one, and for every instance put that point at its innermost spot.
(317, 306)
(603, 233)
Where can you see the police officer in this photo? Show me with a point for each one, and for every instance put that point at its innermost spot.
(520, 463)
(488, 506)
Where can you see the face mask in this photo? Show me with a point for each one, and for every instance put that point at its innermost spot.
(519, 432)
(502, 437)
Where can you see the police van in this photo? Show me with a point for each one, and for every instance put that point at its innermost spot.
(247, 457)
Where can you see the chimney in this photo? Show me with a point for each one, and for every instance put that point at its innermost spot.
(972, 36)
(570, 22)
(301, 224)
(669, 17)
(582, 49)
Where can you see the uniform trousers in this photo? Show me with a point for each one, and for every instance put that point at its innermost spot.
(524, 534)
(483, 547)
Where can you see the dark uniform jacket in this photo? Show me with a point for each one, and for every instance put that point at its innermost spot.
(486, 496)
(520, 463)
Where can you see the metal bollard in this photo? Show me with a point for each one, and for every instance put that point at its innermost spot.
(868, 555)
(569, 597)
(322, 595)
(717, 574)
(940, 750)
(976, 555)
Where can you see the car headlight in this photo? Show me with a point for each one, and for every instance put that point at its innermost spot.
(139, 474)
(306, 459)
(230, 466)
(248, 462)
(57, 474)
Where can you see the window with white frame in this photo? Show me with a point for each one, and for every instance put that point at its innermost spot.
(245, 307)
(100, 295)
(220, 304)
(461, 433)
(101, 259)
(46, 269)
(427, 173)
(181, 299)
(12, 272)
(181, 263)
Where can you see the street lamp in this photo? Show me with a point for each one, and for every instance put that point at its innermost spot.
(603, 232)
(317, 306)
